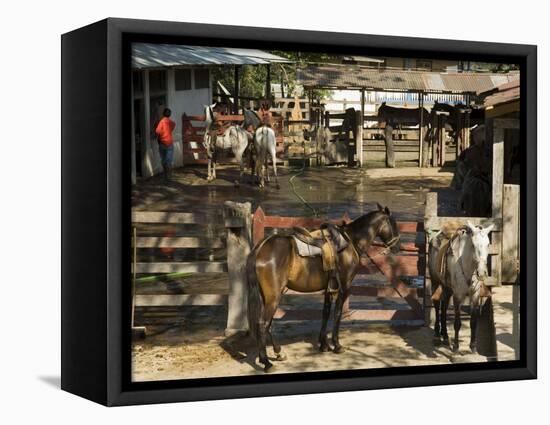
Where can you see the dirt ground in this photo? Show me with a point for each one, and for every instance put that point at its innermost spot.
(189, 342)
(187, 348)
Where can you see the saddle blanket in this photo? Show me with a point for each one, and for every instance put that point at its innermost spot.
(305, 250)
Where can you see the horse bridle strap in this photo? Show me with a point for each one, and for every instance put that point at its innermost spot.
(393, 241)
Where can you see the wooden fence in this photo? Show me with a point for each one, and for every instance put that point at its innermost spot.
(237, 230)
(164, 233)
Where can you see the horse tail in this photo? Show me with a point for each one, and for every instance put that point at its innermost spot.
(255, 299)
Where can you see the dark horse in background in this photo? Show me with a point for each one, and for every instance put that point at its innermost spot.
(274, 264)
(393, 117)
(401, 116)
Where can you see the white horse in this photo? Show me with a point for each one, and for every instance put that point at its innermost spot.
(234, 138)
(265, 145)
(458, 268)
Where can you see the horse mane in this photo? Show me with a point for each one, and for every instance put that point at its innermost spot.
(363, 221)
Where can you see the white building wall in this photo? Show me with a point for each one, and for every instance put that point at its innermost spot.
(190, 102)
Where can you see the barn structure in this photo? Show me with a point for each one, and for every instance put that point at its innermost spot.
(178, 77)
(409, 87)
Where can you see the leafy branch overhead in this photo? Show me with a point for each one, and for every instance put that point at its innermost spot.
(252, 77)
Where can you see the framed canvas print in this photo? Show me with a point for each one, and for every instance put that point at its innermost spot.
(251, 212)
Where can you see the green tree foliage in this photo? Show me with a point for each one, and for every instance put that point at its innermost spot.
(253, 77)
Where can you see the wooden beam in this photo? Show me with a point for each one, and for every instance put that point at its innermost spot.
(179, 242)
(498, 170)
(237, 89)
(436, 223)
(359, 137)
(182, 267)
(510, 233)
(174, 300)
(390, 154)
(173, 217)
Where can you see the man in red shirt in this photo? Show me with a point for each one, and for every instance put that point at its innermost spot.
(163, 131)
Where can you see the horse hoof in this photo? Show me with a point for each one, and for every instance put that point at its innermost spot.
(455, 348)
(268, 368)
(281, 357)
(338, 350)
(473, 349)
(445, 341)
(324, 348)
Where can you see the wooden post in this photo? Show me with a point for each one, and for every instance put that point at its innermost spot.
(362, 103)
(459, 133)
(237, 89)
(430, 212)
(442, 139)
(435, 142)
(498, 183)
(420, 127)
(390, 154)
(466, 137)
(327, 119)
(498, 169)
(238, 222)
(510, 232)
(359, 138)
(137, 331)
(268, 84)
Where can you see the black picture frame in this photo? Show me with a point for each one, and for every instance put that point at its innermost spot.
(96, 213)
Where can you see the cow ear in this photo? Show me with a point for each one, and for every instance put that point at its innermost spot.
(387, 211)
(380, 207)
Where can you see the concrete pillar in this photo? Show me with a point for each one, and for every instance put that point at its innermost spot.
(238, 222)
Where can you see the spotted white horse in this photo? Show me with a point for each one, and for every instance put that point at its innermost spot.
(458, 268)
(234, 138)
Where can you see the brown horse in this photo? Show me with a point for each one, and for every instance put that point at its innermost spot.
(274, 264)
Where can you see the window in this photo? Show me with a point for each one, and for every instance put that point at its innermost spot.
(424, 64)
(183, 79)
(157, 81)
(202, 78)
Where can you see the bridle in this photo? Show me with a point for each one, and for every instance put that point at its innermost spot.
(394, 240)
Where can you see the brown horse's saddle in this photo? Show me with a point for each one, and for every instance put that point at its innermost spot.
(325, 242)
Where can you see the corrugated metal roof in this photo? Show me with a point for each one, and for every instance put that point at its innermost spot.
(354, 77)
(507, 92)
(147, 55)
(399, 80)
